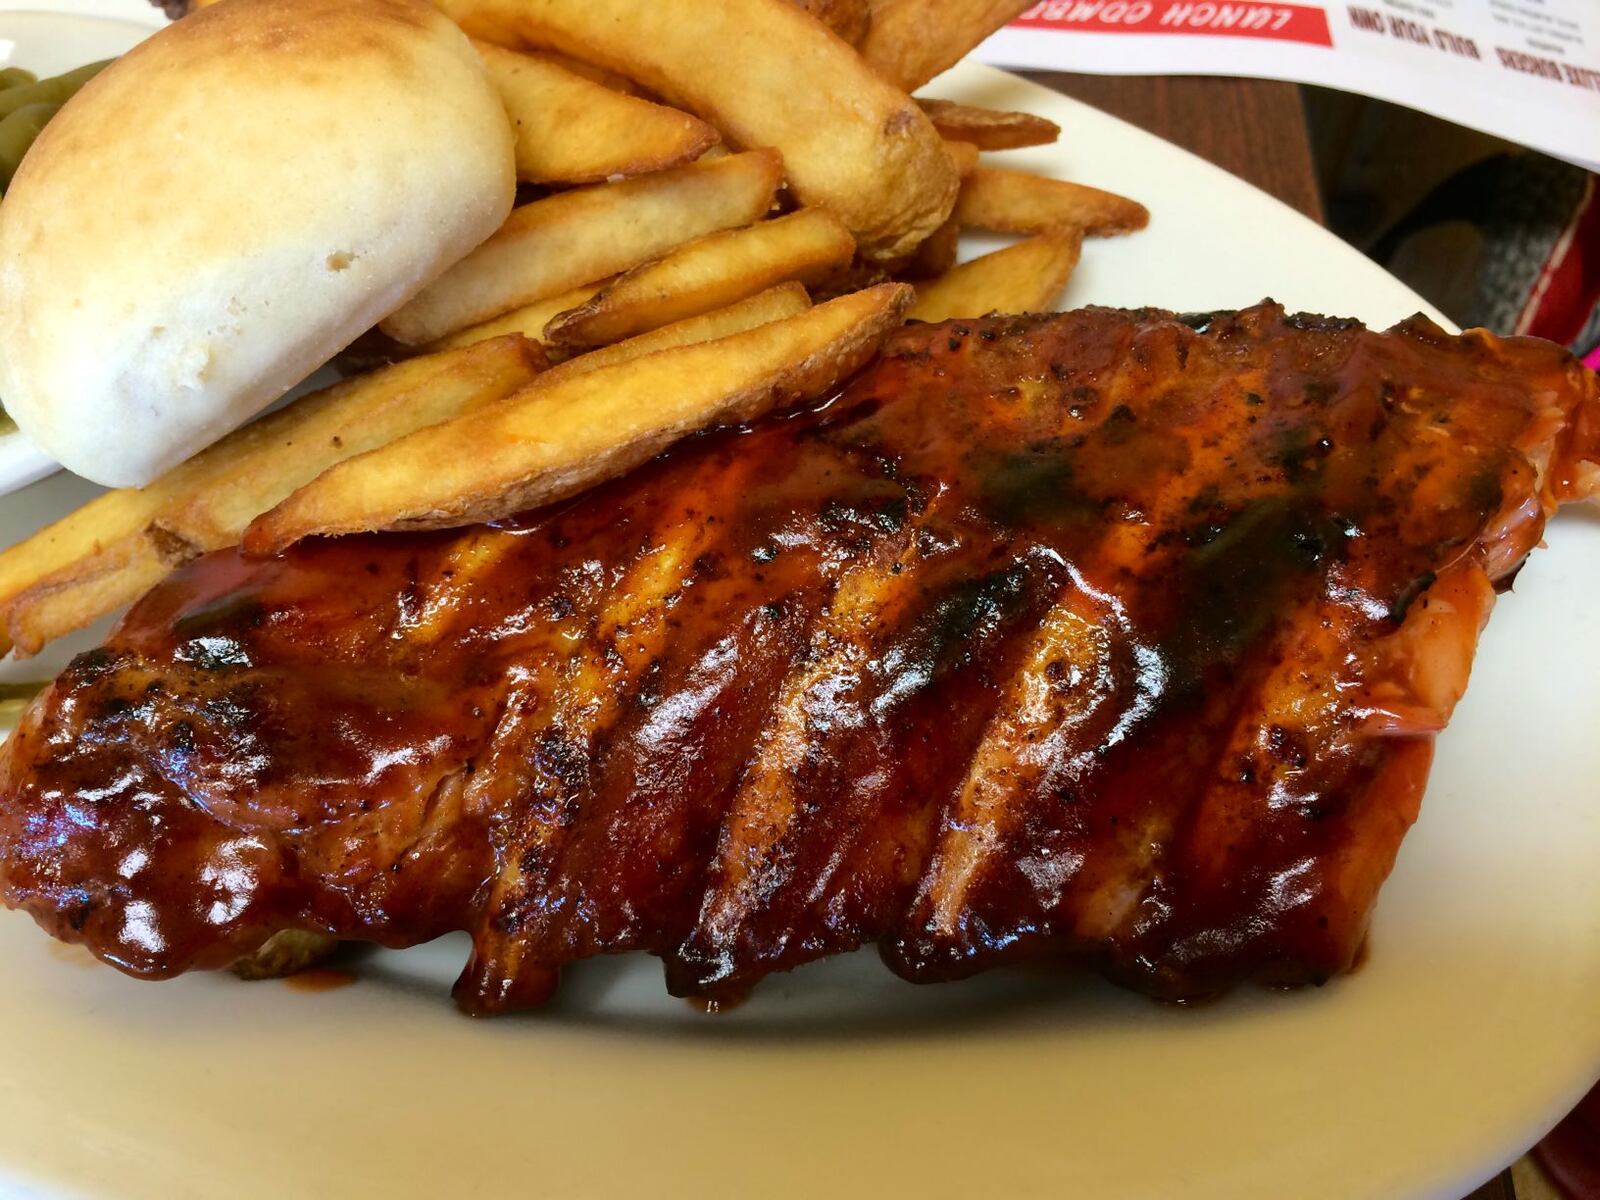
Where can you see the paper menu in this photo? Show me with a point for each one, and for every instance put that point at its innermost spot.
(1525, 70)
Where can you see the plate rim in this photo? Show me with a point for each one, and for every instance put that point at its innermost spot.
(102, 9)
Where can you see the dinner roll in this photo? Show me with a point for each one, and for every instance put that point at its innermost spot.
(225, 208)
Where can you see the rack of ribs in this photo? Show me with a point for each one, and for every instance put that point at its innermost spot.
(1112, 635)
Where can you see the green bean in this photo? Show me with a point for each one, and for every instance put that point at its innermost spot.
(17, 133)
(10, 77)
(56, 90)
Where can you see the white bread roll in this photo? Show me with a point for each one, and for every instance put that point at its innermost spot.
(228, 206)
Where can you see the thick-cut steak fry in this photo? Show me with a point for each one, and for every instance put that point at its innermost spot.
(1112, 635)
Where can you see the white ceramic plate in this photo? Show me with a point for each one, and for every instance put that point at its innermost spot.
(1475, 1023)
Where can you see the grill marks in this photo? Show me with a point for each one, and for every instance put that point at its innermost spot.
(601, 663)
(1085, 635)
(803, 761)
(1052, 708)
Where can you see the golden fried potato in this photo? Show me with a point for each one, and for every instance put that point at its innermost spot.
(90, 530)
(847, 18)
(254, 468)
(1026, 277)
(774, 304)
(498, 35)
(988, 128)
(765, 74)
(545, 443)
(1016, 202)
(115, 548)
(117, 573)
(711, 272)
(594, 74)
(572, 238)
(911, 41)
(78, 569)
(572, 130)
(529, 320)
(936, 255)
(963, 156)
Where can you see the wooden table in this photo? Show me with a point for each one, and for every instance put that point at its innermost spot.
(1255, 129)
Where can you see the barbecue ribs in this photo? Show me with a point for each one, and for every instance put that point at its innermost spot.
(1111, 635)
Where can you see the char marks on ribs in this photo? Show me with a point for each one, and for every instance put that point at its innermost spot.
(1112, 635)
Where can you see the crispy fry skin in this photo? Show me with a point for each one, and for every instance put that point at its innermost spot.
(81, 594)
(249, 471)
(847, 18)
(1091, 636)
(98, 549)
(988, 128)
(1026, 277)
(850, 142)
(544, 444)
(774, 304)
(110, 551)
(911, 41)
(1017, 202)
(964, 157)
(935, 256)
(576, 237)
(572, 130)
(529, 320)
(807, 247)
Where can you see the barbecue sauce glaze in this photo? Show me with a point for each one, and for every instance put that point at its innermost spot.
(1112, 635)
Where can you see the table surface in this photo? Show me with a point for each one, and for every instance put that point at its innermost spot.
(1255, 129)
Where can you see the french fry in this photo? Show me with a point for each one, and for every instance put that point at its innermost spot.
(546, 443)
(572, 130)
(484, 28)
(75, 571)
(528, 320)
(850, 142)
(73, 599)
(254, 468)
(989, 128)
(847, 18)
(487, 23)
(911, 41)
(594, 74)
(963, 156)
(1025, 277)
(711, 272)
(92, 529)
(1016, 202)
(116, 547)
(774, 304)
(572, 238)
(860, 276)
(936, 255)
